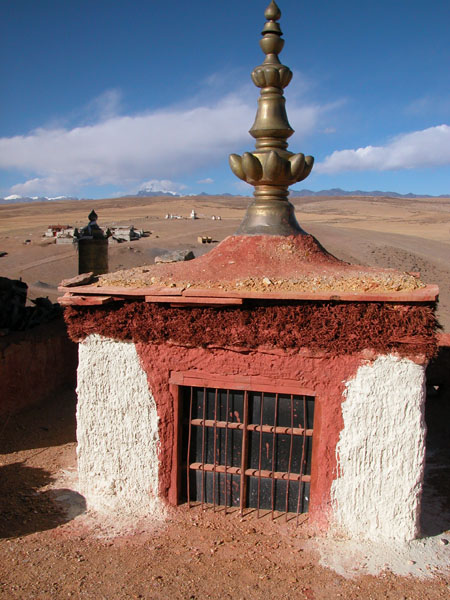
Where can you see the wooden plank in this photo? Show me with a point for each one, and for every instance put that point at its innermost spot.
(181, 300)
(122, 291)
(428, 293)
(211, 293)
(85, 300)
(250, 383)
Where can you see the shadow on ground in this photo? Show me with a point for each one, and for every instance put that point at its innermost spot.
(51, 423)
(25, 510)
(435, 516)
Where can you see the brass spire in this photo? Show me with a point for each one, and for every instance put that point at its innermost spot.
(271, 169)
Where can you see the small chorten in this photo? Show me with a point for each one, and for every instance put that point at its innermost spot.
(93, 247)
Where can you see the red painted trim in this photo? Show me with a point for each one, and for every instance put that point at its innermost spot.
(173, 492)
(239, 382)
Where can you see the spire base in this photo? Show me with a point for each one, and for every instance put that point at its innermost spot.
(270, 213)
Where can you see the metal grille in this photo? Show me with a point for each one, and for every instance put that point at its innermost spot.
(247, 449)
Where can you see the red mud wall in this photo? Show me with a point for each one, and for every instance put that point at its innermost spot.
(319, 345)
(35, 364)
(325, 375)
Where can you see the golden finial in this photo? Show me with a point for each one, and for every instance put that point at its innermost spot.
(271, 168)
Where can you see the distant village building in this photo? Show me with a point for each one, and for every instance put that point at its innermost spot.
(54, 230)
(67, 236)
(126, 233)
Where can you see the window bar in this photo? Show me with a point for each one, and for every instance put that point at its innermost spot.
(203, 448)
(300, 483)
(189, 450)
(260, 449)
(215, 451)
(226, 450)
(243, 489)
(273, 454)
(290, 457)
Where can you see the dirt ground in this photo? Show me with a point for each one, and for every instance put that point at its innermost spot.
(51, 546)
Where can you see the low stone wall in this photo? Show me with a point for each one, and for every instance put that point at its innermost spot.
(34, 364)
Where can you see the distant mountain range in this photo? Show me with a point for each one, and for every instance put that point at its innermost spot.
(374, 193)
(14, 198)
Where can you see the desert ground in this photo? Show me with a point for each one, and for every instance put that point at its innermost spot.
(405, 234)
(52, 547)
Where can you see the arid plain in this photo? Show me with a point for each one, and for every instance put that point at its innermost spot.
(47, 552)
(400, 233)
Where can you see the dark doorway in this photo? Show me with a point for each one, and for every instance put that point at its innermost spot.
(246, 449)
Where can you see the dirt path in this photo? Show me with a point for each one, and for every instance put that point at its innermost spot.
(45, 261)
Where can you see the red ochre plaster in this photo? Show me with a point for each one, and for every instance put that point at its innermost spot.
(320, 345)
(325, 375)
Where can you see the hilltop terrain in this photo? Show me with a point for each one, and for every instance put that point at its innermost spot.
(406, 234)
(47, 552)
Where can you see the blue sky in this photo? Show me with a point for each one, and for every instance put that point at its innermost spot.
(104, 97)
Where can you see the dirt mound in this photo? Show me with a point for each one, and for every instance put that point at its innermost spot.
(263, 263)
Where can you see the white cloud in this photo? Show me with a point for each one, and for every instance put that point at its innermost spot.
(207, 180)
(162, 185)
(125, 150)
(426, 148)
(43, 186)
(105, 106)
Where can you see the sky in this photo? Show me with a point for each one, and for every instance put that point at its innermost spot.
(103, 98)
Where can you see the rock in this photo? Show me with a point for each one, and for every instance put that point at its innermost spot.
(176, 256)
(444, 542)
(82, 279)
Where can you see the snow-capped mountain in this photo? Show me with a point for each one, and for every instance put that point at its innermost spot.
(15, 198)
(149, 192)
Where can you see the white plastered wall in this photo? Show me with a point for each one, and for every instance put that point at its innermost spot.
(381, 452)
(117, 429)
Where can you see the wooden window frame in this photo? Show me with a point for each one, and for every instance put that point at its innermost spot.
(199, 379)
